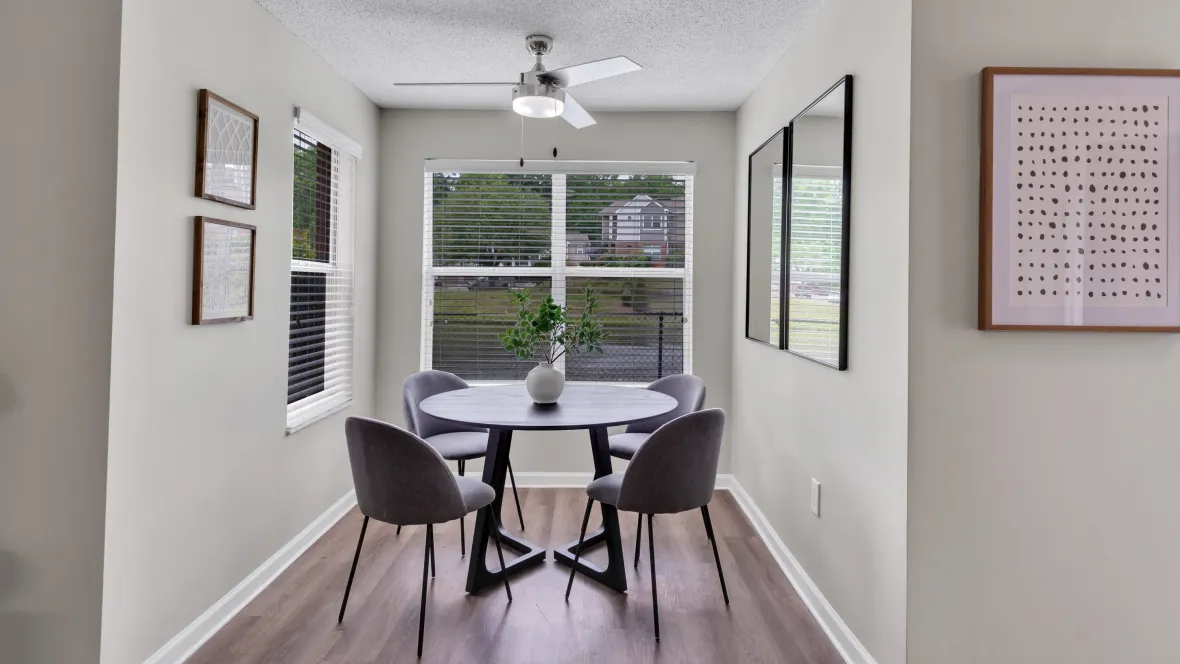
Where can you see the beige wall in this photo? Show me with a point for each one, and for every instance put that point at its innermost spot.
(410, 136)
(793, 419)
(203, 484)
(59, 72)
(1043, 466)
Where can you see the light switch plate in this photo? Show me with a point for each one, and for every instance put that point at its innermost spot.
(815, 496)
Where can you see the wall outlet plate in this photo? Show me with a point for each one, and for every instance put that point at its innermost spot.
(815, 496)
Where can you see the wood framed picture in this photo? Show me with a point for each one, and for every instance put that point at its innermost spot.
(227, 152)
(223, 271)
(1079, 200)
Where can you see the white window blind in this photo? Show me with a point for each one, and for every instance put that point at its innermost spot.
(813, 320)
(320, 346)
(624, 229)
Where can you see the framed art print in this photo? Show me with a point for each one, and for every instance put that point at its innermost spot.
(223, 271)
(1079, 200)
(227, 152)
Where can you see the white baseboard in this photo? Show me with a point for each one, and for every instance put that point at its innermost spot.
(851, 649)
(580, 480)
(191, 638)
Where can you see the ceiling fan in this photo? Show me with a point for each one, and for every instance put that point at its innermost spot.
(541, 93)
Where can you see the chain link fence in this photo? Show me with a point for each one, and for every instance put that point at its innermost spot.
(639, 348)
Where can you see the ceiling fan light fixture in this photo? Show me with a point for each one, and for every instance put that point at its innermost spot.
(538, 101)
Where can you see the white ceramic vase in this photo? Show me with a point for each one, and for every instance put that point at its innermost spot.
(545, 383)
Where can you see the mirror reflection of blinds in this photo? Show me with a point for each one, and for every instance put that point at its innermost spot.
(626, 234)
(816, 221)
(320, 341)
(776, 253)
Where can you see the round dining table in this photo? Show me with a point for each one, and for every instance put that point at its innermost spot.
(507, 408)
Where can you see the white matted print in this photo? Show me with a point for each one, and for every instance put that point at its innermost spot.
(227, 149)
(1079, 213)
(223, 276)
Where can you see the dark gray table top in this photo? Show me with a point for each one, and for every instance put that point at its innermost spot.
(580, 407)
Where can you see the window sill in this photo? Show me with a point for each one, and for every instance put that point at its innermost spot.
(496, 383)
(328, 408)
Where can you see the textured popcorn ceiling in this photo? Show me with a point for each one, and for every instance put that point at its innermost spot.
(696, 54)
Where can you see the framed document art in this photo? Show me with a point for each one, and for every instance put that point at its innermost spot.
(223, 271)
(1079, 200)
(227, 152)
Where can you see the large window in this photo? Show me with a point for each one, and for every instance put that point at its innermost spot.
(320, 343)
(624, 229)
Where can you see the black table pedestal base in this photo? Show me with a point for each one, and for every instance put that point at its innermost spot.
(614, 576)
(478, 574)
(495, 471)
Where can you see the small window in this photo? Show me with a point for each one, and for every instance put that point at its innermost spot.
(319, 352)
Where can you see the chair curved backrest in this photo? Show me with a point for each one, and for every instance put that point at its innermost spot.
(421, 386)
(675, 469)
(399, 477)
(686, 389)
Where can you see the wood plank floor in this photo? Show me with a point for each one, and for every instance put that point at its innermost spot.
(294, 620)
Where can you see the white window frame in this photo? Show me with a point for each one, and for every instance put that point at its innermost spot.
(559, 271)
(347, 153)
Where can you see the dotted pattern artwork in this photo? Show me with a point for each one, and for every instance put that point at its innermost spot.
(1089, 201)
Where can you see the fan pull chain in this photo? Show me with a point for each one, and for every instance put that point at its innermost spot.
(555, 128)
(522, 141)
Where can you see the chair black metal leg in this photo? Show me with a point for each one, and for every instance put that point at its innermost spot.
(425, 569)
(716, 557)
(432, 557)
(651, 554)
(356, 557)
(500, 551)
(516, 497)
(462, 521)
(638, 539)
(578, 548)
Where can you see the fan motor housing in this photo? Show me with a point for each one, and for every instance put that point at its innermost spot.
(539, 44)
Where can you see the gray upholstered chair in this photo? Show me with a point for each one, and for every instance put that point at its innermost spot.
(673, 471)
(402, 480)
(455, 442)
(689, 393)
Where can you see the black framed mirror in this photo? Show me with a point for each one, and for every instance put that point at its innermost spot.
(815, 244)
(764, 246)
(798, 217)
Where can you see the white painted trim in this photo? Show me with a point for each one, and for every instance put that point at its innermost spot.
(533, 480)
(559, 166)
(326, 133)
(191, 638)
(597, 272)
(850, 648)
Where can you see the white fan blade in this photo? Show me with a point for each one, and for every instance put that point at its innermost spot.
(591, 71)
(574, 114)
(496, 83)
